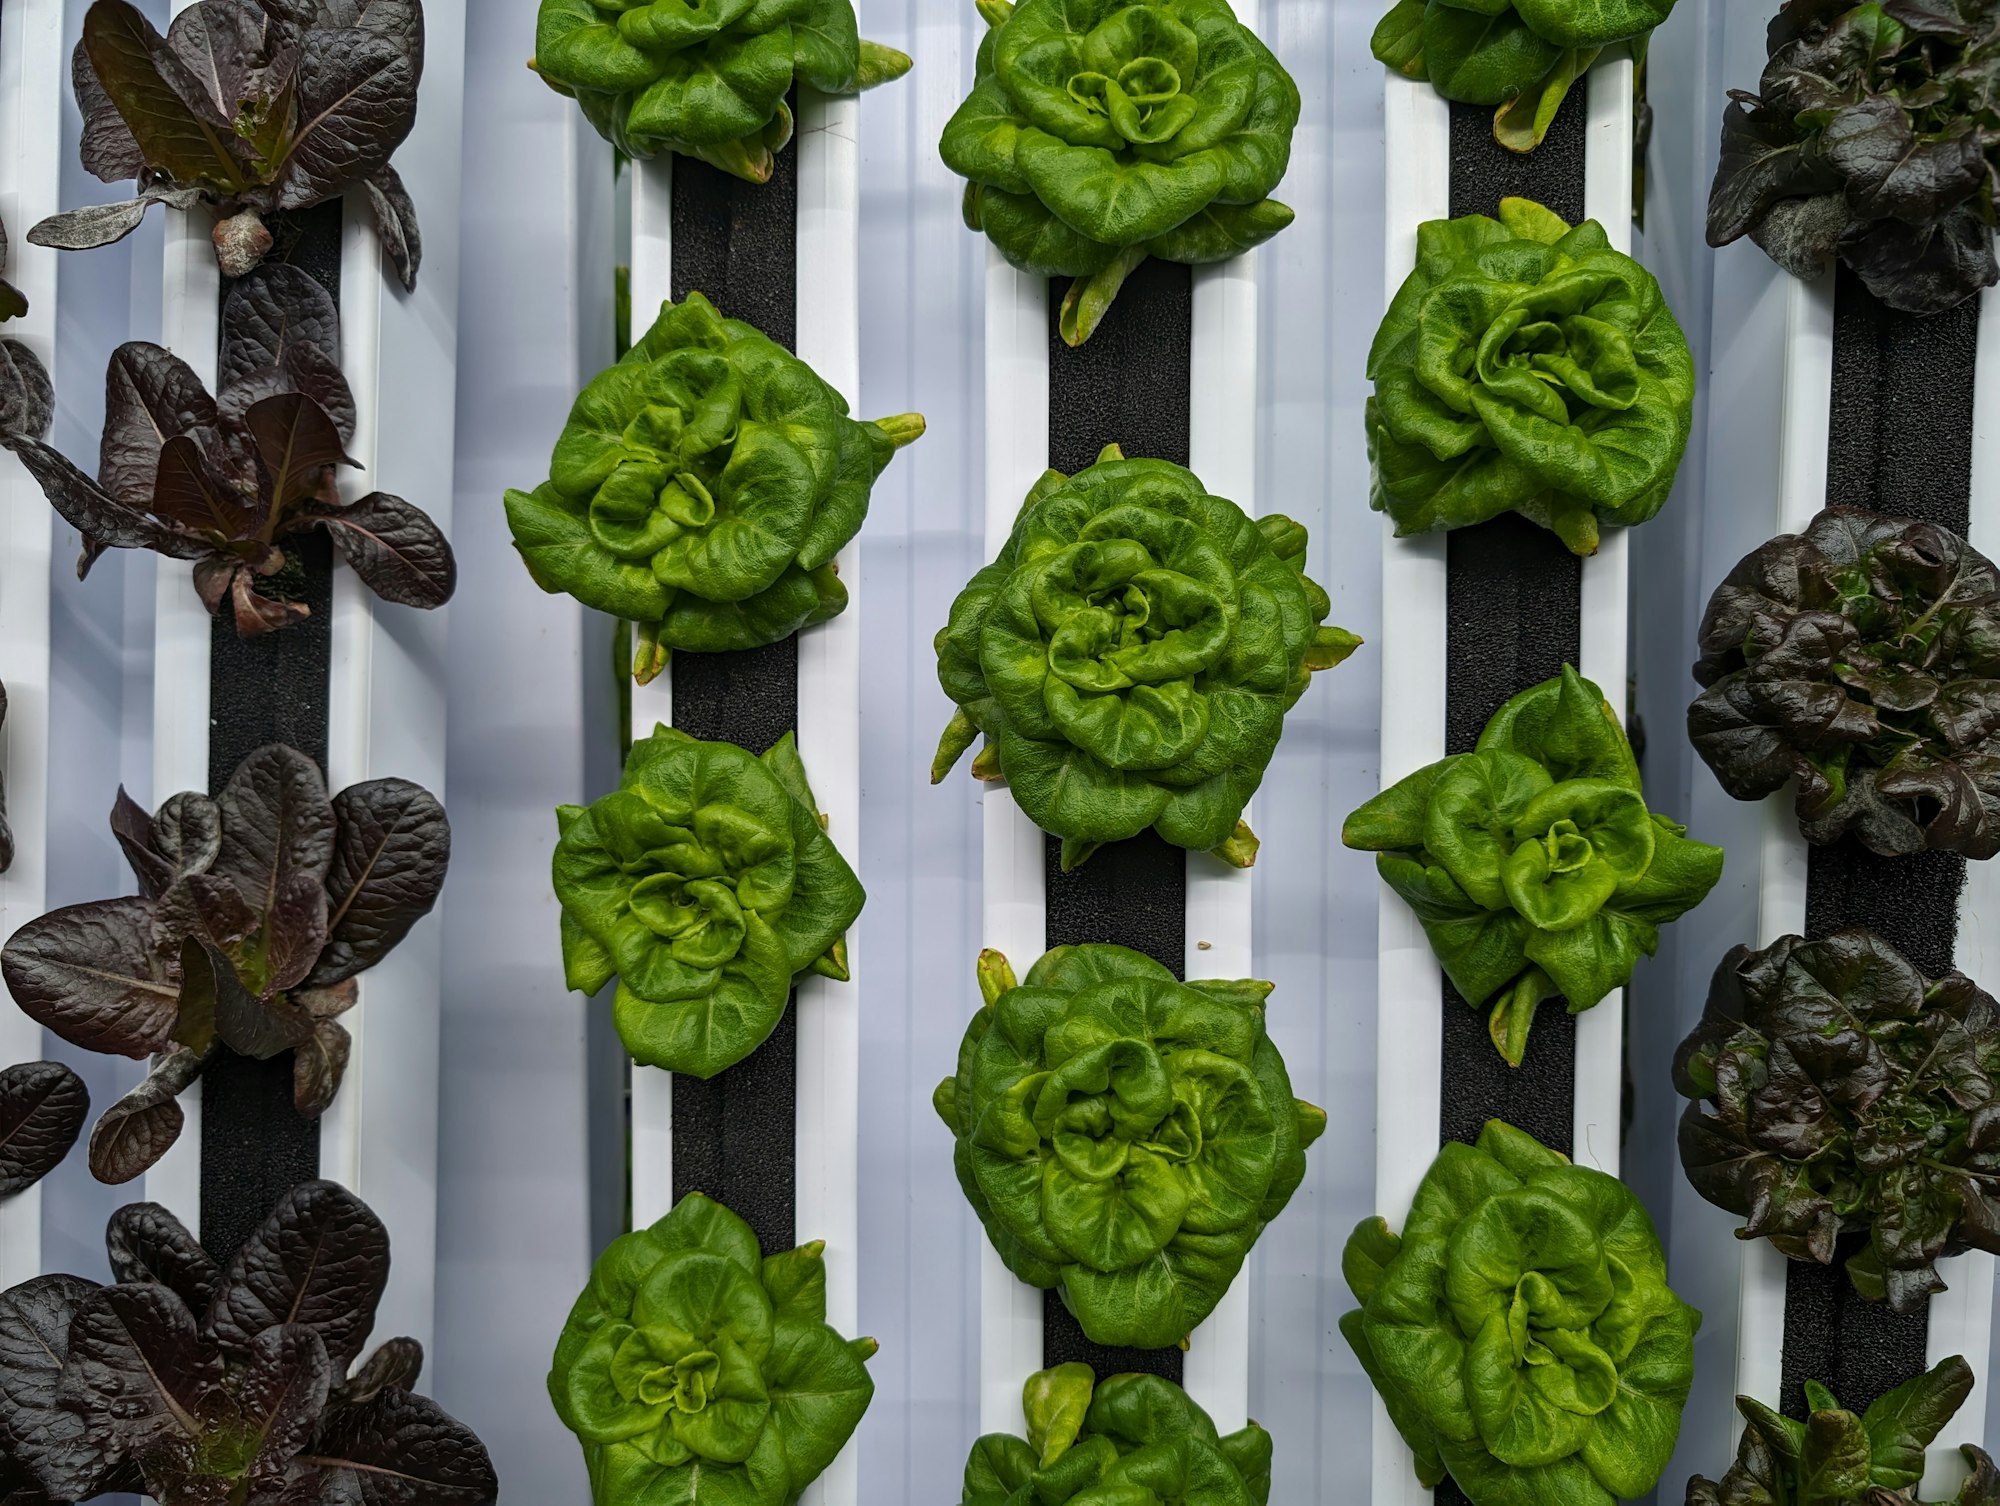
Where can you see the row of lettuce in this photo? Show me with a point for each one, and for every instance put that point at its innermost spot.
(1124, 665)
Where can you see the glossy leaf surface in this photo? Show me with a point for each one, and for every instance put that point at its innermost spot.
(1861, 658)
(706, 884)
(1124, 1137)
(1131, 655)
(696, 1368)
(1527, 367)
(1520, 1329)
(1871, 137)
(1836, 1089)
(702, 488)
(1533, 862)
(1103, 132)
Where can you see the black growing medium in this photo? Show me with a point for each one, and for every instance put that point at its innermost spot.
(1513, 618)
(735, 1135)
(1129, 385)
(255, 1146)
(1900, 442)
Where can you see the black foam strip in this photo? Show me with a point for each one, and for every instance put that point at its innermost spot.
(735, 1135)
(737, 244)
(1132, 893)
(1483, 172)
(1901, 423)
(1856, 1348)
(1513, 618)
(272, 689)
(1900, 441)
(1128, 385)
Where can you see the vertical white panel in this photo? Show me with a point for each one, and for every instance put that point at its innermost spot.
(1409, 1050)
(387, 687)
(190, 327)
(1015, 913)
(31, 74)
(829, 1025)
(1607, 198)
(652, 1170)
(1222, 451)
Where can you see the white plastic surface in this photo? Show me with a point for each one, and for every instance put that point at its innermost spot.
(1017, 426)
(1409, 1050)
(31, 71)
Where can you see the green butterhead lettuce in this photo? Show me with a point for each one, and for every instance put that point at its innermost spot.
(1101, 132)
(695, 1368)
(1532, 861)
(1519, 56)
(1527, 367)
(702, 488)
(1521, 1331)
(1133, 1440)
(704, 78)
(1131, 655)
(1124, 1137)
(706, 885)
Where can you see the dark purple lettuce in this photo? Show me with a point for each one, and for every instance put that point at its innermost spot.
(1837, 1090)
(1873, 138)
(1861, 658)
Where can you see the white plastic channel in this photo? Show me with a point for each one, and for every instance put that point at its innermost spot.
(1015, 897)
(1222, 450)
(1607, 198)
(1409, 1051)
(652, 285)
(386, 684)
(1962, 1316)
(1781, 851)
(829, 1014)
(828, 1125)
(31, 105)
(190, 327)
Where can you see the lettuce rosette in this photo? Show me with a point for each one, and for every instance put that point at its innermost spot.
(1527, 367)
(707, 886)
(1521, 57)
(1132, 1440)
(1101, 132)
(704, 78)
(1520, 1330)
(1131, 655)
(1123, 1136)
(701, 489)
(1532, 861)
(696, 1368)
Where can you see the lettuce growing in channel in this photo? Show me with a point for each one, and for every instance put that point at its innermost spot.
(696, 1368)
(1129, 1439)
(1521, 1331)
(199, 1384)
(1834, 1090)
(1101, 132)
(256, 912)
(702, 488)
(252, 107)
(1835, 1458)
(1131, 655)
(1519, 56)
(1872, 137)
(706, 79)
(1860, 658)
(707, 886)
(1124, 1137)
(1533, 862)
(1527, 367)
